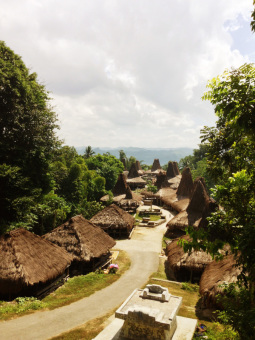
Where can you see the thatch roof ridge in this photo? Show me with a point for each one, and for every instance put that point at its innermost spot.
(177, 258)
(176, 168)
(81, 238)
(185, 188)
(170, 170)
(121, 186)
(155, 165)
(215, 274)
(28, 259)
(161, 180)
(200, 199)
(138, 165)
(133, 171)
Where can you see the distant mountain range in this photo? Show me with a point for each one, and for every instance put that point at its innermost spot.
(144, 154)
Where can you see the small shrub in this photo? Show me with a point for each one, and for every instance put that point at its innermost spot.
(189, 287)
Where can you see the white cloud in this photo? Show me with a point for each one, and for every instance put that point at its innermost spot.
(127, 72)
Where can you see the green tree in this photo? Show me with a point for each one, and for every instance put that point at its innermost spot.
(88, 152)
(230, 158)
(106, 166)
(27, 136)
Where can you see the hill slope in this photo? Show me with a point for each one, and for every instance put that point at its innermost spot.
(147, 155)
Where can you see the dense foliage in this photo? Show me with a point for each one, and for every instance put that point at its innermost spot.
(198, 164)
(230, 159)
(42, 182)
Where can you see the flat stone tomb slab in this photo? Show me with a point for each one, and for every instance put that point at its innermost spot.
(150, 318)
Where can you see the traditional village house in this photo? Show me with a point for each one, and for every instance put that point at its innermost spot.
(183, 266)
(134, 180)
(88, 244)
(179, 199)
(173, 175)
(115, 221)
(30, 265)
(194, 213)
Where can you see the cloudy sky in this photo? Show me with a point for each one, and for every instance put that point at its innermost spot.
(129, 72)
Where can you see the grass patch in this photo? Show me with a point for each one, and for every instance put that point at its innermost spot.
(88, 331)
(153, 218)
(74, 289)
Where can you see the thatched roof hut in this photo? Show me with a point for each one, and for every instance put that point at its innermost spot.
(139, 168)
(133, 173)
(194, 213)
(29, 263)
(216, 274)
(185, 188)
(186, 266)
(137, 182)
(121, 187)
(85, 241)
(156, 165)
(114, 220)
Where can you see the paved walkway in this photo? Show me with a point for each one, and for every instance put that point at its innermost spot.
(143, 249)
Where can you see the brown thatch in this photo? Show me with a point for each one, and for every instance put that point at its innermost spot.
(114, 220)
(81, 238)
(194, 213)
(185, 188)
(155, 165)
(215, 274)
(138, 166)
(137, 182)
(176, 169)
(186, 266)
(170, 170)
(174, 182)
(168, 196)
(133, 173)
(121, 186)
(161, 181)
(28, 262)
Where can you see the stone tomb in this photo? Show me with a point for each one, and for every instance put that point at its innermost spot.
(149, 314)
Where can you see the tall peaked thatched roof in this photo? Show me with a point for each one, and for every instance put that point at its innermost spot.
(194, 211)
(185, 187)
(138, 165)
(121, 187)
(27, 259)
(81, 238)
(113, 217)
(161, 180)
(176, 169)
(155, 165)
(171, 172)
(133, 173)
(178, 260)
(200, 198)
(215, 274)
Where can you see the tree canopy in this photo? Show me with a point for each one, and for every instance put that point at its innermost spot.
(230, 161)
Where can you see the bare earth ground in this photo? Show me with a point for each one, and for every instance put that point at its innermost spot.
(144, 249)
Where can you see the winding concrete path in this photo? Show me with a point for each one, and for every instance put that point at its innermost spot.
(144, 249)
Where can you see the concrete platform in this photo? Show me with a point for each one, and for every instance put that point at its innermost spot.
(185, 329)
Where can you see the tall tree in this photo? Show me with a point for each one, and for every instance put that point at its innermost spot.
(88, 152)
(27, 134)
(230, 159)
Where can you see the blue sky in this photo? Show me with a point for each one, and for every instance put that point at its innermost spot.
(129, 72)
